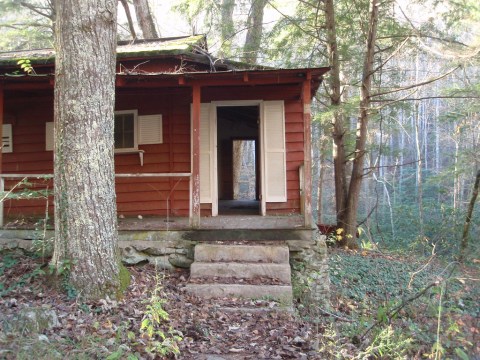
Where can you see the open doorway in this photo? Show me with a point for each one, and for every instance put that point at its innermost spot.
(238, 159)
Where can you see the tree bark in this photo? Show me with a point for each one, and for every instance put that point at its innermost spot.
(85, 207)
(227, 28)
(145, 19)
(131, 27)
(338, 128)
(255, 30)
(322, 142)
(350, 221)
(468, 218)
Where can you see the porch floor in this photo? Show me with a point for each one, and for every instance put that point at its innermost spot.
(230, 222)
(159, 223)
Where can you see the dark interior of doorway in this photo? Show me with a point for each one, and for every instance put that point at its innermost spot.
(238, 127)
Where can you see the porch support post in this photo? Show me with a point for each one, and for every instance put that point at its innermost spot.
(307, 133)
(195, 179)
(2, 187)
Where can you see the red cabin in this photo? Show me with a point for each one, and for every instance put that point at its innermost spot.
(181, 116)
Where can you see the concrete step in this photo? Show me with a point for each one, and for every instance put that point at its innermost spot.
(281, 293)
(279, 272)
(241, 253)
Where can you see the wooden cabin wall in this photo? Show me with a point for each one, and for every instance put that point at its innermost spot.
(28, 115)
(157, 196)
(145, 196)
(135, 196)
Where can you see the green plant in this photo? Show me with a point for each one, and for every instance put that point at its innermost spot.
(387, 344)
(26, 66)
(62, 271)
(159, 341)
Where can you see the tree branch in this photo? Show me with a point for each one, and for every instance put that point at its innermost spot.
(38, 10)
(428, 97)
(417, 84)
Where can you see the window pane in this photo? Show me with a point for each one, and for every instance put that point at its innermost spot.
(124, 131)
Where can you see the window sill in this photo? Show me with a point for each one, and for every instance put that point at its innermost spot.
(131, 151)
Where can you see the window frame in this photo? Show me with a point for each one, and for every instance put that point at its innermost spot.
(135, 131)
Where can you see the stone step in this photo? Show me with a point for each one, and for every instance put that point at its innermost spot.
(241, 253)
(279, 272)
(280, 293)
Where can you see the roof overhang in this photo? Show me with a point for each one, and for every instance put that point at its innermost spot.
(186, 79)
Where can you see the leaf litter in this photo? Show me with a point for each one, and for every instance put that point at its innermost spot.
(109, 328)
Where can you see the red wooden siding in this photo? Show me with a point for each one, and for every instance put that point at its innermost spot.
(146, 196)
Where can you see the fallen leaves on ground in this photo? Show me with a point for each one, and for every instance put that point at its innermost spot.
(107, 327)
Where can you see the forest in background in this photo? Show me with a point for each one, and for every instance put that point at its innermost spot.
(423, 136)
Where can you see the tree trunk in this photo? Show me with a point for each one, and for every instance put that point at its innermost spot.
(418, 149)
(350, 222)
(254, 33)
(131, 27)
(468, 218)
(323, 142)
(237, 156)
(85, 207)
(338, 129)
(227, 28)
(145, 19)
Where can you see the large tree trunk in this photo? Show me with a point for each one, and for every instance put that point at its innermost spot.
(254, 32)
(145, 19)
(85, 206)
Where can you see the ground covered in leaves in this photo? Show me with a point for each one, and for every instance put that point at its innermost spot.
(366, 318)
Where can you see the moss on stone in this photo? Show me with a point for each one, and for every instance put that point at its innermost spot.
(124, 279)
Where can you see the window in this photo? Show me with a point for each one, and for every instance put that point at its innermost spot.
(130, 131)
(126, 130)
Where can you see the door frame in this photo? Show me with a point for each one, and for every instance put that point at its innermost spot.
(213, 122)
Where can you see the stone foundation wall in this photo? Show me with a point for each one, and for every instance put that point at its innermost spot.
(310, 274)
(167, 250)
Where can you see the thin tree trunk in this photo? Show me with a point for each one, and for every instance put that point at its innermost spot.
(85, 207)
(322, 159)
(227, 27)
(237, 156)
(254, 32)
(129, 18)
(145, 19)
(456, 178)
(418, 148)
(468, 218)
(349, 239)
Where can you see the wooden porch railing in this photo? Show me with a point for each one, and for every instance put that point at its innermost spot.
(50, 176)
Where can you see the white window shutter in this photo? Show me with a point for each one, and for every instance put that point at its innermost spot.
(206, 155)
(275, 151)
(150, 129)
(7, 143)
(49, 136)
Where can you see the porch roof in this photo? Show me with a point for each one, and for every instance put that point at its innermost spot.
(186, 48)
(125, 49)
